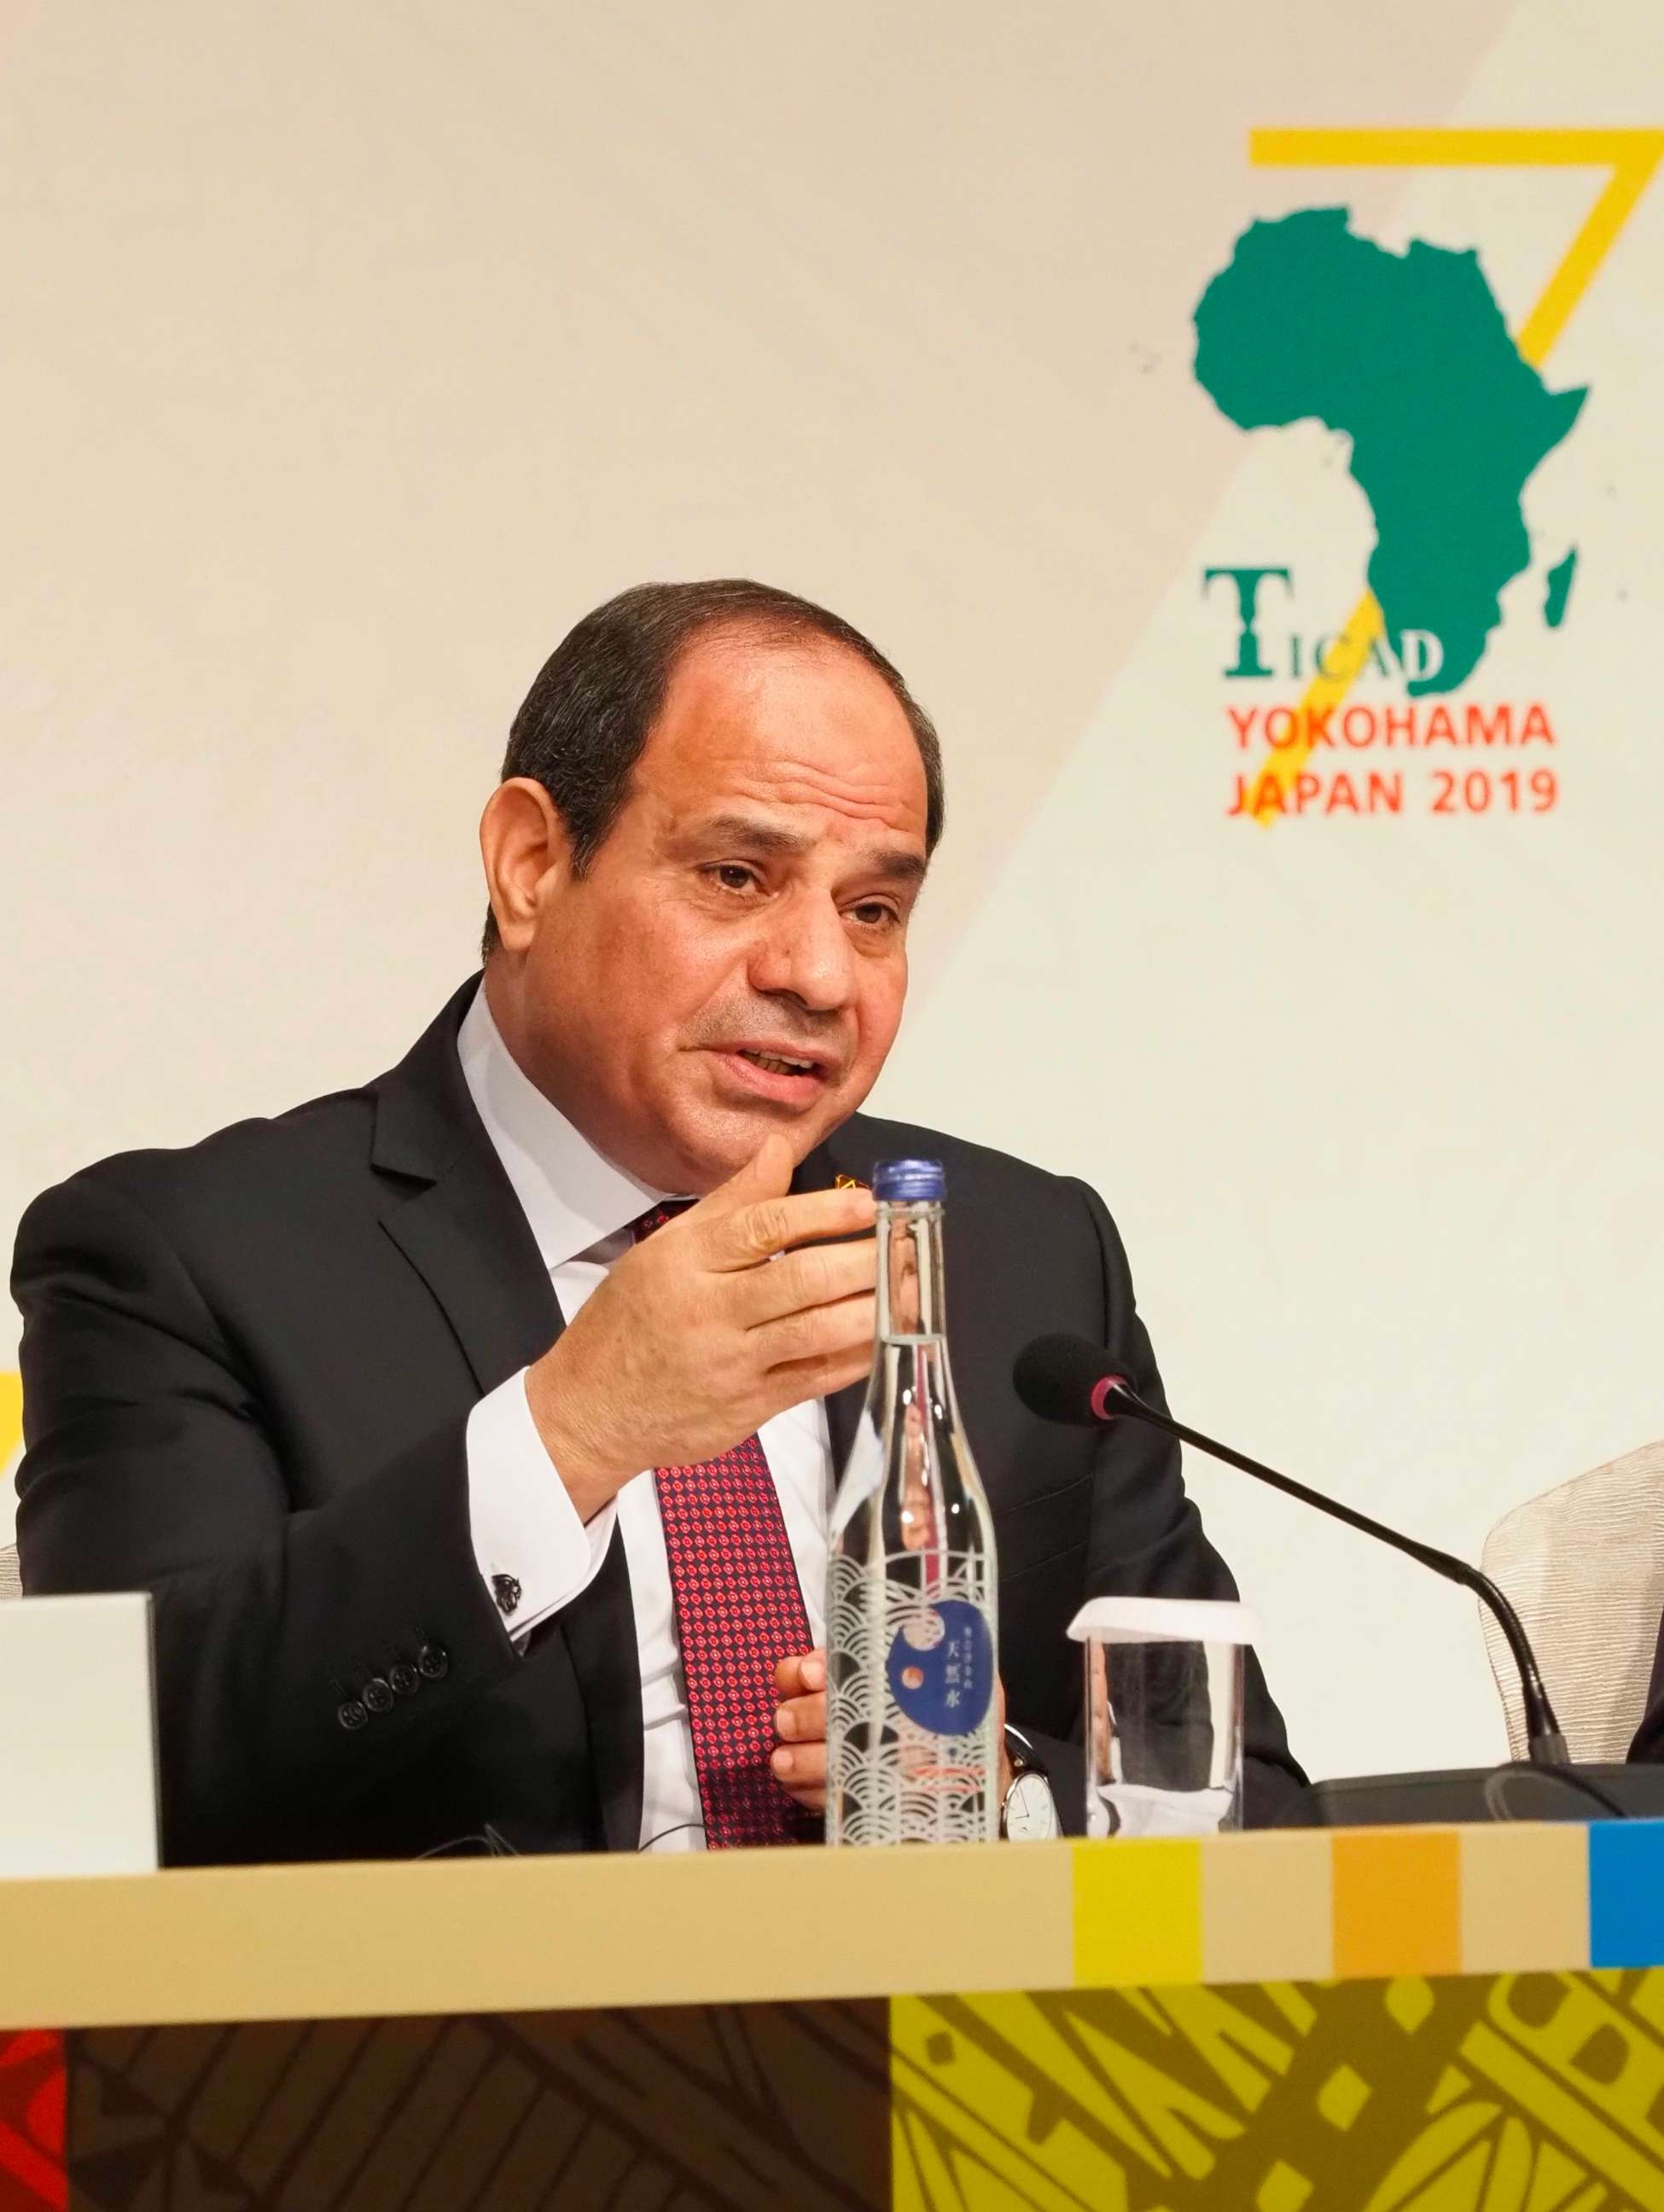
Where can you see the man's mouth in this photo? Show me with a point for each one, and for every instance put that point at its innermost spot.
(777, 1064)
(779, 1074)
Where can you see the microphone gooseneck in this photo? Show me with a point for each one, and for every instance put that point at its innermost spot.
(1071, 1380)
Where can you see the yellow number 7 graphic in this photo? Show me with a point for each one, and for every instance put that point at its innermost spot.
(1631, 157)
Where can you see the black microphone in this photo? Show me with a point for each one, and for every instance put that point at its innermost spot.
(1071, 1380)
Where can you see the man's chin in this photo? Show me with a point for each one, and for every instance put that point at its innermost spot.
(720, 1143)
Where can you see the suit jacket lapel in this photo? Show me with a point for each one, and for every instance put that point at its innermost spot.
(467, 1239)
(452, 1211)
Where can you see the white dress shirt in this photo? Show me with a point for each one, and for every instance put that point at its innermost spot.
(523, 1524)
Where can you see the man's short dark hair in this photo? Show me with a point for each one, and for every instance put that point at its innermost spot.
(586, 719)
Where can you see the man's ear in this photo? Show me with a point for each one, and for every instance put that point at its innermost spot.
(526, 852)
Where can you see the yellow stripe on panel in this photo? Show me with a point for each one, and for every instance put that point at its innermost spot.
(1138, 1913)
(1397, 1903)
(1525, 1898)
(1267, 1908)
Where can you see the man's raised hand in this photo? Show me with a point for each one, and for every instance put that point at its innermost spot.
(730, 1314)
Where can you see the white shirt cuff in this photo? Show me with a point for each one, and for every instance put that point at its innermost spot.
(533, 1552)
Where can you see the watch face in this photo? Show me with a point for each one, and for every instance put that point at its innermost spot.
(1031, 1812)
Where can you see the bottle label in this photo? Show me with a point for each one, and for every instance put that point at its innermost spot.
(913, 1736)
(941, 1666)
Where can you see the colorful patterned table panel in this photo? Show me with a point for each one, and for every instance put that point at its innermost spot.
(1476, 2093)
(1409, 2020)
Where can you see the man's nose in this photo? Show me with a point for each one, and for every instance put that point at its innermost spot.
(805, 951)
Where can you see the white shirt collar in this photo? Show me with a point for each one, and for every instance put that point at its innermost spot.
(573, 1195)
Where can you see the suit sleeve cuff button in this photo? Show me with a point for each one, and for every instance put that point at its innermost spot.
(351, 1714)
(433, 1662)
(404, 1680)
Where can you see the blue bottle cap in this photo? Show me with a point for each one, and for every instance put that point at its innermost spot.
(908, 1183)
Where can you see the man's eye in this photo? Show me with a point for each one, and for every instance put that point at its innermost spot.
(733, 877)
(874, 914)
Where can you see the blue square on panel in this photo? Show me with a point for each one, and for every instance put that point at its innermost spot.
(1626, 1893)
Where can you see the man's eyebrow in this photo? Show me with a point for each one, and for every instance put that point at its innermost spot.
(758, 837)
(896, 863)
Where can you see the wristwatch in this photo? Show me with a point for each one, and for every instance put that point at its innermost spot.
(1028, 1811)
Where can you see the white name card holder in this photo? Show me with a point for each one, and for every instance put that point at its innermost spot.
(77, 1736)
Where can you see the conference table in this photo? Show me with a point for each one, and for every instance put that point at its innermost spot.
(1402, 2020)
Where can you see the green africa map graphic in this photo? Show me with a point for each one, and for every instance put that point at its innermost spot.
(1409, 356)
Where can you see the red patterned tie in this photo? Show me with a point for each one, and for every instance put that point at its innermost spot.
(738, 1612)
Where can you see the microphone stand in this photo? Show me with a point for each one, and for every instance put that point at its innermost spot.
(1546, 1743)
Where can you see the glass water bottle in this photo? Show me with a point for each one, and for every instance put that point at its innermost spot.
(913, 1645)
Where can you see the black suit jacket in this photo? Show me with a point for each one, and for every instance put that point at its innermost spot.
(248, 1368)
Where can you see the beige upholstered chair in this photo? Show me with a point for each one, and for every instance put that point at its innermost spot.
(9, 1584)
(1584, 1565)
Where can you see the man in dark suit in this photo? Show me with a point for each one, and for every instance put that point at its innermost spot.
(381, 1399)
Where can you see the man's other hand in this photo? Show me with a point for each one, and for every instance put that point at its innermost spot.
(732, 1313)
(799, 1757)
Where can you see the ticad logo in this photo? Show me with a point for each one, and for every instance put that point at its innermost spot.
(1351, 726)
(1421, 663)
(1447, 417)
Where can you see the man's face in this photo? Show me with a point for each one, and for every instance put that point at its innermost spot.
(734, 961)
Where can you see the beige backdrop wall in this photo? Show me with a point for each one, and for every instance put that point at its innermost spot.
(350, 353)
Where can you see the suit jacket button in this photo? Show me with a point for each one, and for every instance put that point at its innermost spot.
(351, 1714)
(377, 1695)
(433, 1661)
(404, 1681)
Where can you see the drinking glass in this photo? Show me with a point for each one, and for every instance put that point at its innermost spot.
(1163, 1713)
